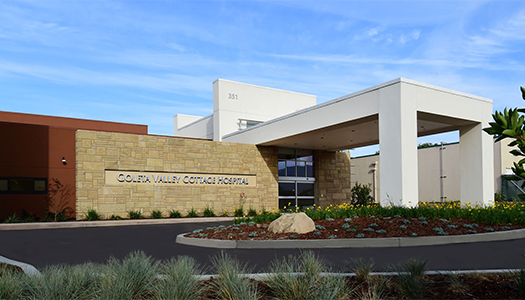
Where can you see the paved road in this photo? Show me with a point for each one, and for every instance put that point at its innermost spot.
(74, 246)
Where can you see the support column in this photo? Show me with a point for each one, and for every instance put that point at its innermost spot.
(476, 152)
(398, 170)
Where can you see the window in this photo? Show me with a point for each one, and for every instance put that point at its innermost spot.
(296, 163)
(243, 124)
(296, 178)
(23, 185)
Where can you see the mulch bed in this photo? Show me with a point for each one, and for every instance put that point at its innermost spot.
(357, 227)
(10, 268)
(478, 286)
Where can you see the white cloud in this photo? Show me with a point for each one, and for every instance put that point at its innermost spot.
(402, 39)
(176, 47)
(166, 82)
(415, 34)
(172, 51)
(372, 32)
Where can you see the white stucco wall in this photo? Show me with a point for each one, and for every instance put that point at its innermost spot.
(235, 101)
(395, 114)
(193, 126)
(429, 166)
(326, 114)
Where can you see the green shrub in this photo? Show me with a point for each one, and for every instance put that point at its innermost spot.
(208, 212)
(13, 219)
(180, 282)
(115, 217)
(238, 212)
(252, 212)
(27, 218)
(192, 213)
(362, 269)
(376, 287)
(499, 197)
(175, 214)
(91, 215)
(262, 218)
(361, 194)
(52, 217)
(411, 278)
(135, 214)
(156, 214)
(519, 279)
(456, 285)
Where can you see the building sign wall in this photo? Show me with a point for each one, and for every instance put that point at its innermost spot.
(118, 177)
(117, 173)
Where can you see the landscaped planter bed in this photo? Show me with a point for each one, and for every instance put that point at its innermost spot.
(305, 276)
(473, 286)
(356, 227)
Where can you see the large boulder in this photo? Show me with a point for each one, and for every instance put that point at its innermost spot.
(298, 223)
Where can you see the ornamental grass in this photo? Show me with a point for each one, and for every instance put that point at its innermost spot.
(306, 276)
(310, 284)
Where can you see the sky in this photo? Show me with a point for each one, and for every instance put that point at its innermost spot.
(145, 61)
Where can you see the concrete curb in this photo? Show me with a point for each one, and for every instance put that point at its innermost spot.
(27, 268)
(265, 276)
(354, 243)
(108, 223)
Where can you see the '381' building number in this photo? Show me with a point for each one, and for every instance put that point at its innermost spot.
(233, 96)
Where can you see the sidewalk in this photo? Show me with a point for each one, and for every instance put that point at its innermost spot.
(109, 223)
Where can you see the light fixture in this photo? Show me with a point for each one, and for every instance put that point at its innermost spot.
(64, 161)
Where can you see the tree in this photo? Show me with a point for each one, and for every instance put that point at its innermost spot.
(427, 145)
(57, 198)
(510, 124)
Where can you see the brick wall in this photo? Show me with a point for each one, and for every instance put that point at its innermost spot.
(99, 151)
(333, 178)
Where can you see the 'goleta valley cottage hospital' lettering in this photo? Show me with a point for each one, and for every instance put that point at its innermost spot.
(118, 177)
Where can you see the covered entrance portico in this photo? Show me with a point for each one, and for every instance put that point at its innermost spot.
(393, 115)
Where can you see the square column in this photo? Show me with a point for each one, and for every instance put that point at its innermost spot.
(476, 165)
(398, 169)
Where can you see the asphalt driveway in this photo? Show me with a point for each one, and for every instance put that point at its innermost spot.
(77, 245)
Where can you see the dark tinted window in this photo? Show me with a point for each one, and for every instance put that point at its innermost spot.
(23, 185)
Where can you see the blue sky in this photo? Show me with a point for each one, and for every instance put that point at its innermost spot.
(145, 61)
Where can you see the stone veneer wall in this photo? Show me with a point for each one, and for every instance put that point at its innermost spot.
(99, 151)
(333, 178)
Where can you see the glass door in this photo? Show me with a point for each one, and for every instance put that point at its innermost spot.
(296, 178)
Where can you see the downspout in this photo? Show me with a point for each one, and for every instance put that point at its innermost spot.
(442, 171)
(374, 180)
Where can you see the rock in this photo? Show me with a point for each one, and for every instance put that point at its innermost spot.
(298, 223)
